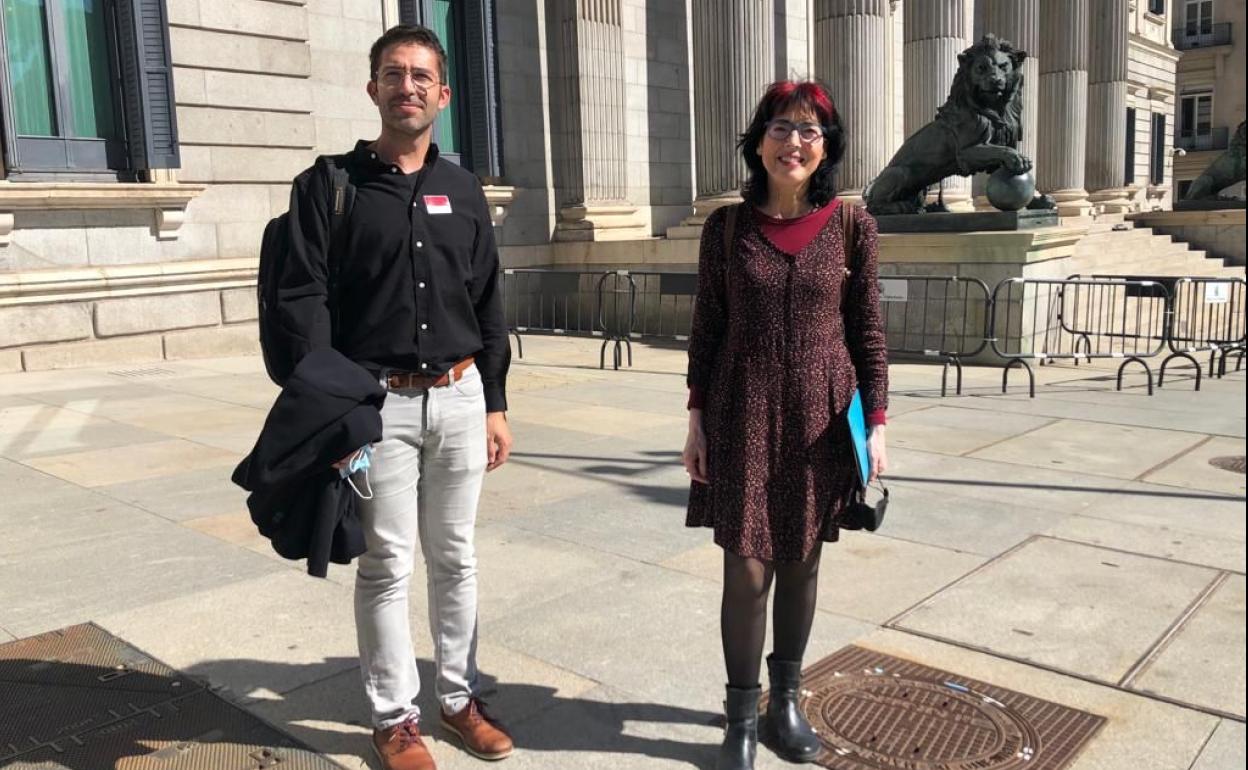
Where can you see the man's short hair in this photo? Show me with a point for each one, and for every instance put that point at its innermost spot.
(406, 34)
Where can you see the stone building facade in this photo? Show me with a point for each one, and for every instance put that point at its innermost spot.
(1210, 92)
(604, 130)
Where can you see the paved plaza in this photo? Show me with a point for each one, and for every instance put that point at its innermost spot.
(1078, 547)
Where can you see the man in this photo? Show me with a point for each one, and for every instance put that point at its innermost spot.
(415, 299)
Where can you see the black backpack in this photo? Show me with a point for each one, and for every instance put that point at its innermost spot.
(275, 339)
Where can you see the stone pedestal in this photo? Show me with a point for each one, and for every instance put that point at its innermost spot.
(990, 257)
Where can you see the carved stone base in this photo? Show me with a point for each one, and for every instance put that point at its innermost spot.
(691, 226)
(600, 222)
(1072, 203)
(1114, 200)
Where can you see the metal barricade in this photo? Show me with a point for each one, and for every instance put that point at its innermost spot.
(944, 317)
(546, 301)
(1207, 317)
(616, 294)
(1044, 320)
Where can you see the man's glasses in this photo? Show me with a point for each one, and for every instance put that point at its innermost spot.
(394, 78)
(780, 130)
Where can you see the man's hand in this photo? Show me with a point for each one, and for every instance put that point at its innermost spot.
(497, 439)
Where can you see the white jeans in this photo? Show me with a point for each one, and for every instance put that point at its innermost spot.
(426, 479)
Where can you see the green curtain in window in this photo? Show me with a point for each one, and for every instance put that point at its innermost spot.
(26, 38)
(90, 69)
(448, 122)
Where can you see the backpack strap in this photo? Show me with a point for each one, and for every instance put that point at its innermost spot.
(341, 199)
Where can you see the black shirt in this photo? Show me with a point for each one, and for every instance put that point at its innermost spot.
(418, 286)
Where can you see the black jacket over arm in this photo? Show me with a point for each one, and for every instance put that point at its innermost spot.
(329, 407)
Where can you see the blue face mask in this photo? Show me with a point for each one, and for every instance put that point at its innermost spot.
(360, 462)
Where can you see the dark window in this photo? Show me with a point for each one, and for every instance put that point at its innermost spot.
(1130, 166)
(1196, 115)
(86, 88)
(1157, 6)
(468, 131)
(1198, 17)
(1184, 186)
(1157, 173)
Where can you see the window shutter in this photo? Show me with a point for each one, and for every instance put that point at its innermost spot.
(409, 11)
(485, 142)
(147, 83)
(1130, 164)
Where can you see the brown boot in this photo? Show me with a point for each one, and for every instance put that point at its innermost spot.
(482, 735)
(401, 748)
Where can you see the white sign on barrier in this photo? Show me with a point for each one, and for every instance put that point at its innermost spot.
(894, 290)
(1217, 293)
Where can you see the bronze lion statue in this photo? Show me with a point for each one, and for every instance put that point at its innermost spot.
(977, 129)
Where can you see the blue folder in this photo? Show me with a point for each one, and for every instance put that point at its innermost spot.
(858, 435)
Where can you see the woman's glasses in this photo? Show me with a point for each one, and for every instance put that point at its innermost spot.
(780, 130)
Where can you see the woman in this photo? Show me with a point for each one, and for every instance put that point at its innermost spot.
(786, 324)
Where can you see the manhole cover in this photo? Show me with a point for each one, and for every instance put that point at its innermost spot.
(80, 698)
(136, 374)
(876, 711)
(1232, 464)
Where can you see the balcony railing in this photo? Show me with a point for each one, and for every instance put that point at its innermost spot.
(1220, 35)
(1218, 139)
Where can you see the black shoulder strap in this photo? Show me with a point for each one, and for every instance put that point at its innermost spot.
(341, 198)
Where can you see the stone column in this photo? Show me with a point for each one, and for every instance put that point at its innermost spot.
(1017, 21)
(850, 37)
(1107, 107)
(592, 161)
(734, 60)
(936, 31)
(1062, 154)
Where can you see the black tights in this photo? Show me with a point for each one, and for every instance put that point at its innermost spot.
(743, 612)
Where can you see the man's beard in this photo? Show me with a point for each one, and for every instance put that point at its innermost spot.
(408, 125)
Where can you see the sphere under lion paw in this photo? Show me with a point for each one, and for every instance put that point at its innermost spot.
(1010, 192)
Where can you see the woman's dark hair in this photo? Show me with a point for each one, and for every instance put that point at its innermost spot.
(807, 96)
(406, 34)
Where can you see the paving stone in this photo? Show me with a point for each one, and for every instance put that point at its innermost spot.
(1167, 509)
(272, 633)
(99, 467)
(949, 430)
(1121, 452)
(182, 496)
(1164, 543)
(645, 520)
(894, 574)
(1193, 470)
(1225, 748)
(1071, 606)
(965, 524)
(90, 434)
(128, 567)
(1195, 667)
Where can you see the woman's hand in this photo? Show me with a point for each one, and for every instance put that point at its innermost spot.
(694, 456)
(877, 452)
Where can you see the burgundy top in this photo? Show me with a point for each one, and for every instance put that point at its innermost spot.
(791, 236)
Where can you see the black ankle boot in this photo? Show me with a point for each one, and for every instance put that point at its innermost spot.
(788, 732)
(741, 735)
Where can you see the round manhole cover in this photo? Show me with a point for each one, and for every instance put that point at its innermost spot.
(891, 721)
(1232, 464)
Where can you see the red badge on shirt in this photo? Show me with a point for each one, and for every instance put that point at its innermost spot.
(438, 204)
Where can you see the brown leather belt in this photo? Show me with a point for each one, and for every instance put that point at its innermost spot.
(404, 380)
